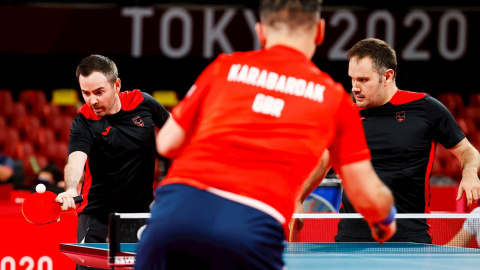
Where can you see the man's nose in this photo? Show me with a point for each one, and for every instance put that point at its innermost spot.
(355, 88)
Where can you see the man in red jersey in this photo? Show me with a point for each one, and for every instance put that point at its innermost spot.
(245, 137)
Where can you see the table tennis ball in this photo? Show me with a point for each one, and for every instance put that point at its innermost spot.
(40, 188)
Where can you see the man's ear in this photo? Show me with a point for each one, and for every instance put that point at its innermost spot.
(320, 32)
(118, 85)
(389, 76)
(261, 31)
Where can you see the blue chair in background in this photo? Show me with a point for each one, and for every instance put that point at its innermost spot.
(327, 197)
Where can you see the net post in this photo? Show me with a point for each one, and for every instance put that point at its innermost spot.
(114, 245)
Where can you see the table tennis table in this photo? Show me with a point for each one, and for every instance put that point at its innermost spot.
(303, 256)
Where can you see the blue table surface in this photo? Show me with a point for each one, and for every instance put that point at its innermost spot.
(339, 256)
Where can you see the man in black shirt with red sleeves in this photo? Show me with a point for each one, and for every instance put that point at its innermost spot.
(112, 143)
(402, 129)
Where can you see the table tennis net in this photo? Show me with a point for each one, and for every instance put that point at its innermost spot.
(318, 235)
(351, 228)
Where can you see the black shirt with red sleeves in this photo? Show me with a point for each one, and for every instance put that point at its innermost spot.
(121, 153)
(402, 135)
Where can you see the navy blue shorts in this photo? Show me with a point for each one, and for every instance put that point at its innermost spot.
(195, 229)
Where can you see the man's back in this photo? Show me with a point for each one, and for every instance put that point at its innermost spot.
(261, 118)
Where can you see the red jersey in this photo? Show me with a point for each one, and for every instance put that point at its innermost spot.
(258, 122)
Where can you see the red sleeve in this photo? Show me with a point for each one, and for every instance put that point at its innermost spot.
(188, 111)
(349, 144)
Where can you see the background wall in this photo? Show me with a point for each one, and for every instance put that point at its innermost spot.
(165, 44)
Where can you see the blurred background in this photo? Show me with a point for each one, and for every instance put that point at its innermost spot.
(160, 47)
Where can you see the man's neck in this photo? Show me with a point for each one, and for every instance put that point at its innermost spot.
(300, 41)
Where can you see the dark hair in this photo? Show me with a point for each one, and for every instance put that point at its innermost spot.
(292, 12)
(98, 63)
(383, 55)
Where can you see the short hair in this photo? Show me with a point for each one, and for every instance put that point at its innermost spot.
(294, 13)
(383, 55)
(98, 63)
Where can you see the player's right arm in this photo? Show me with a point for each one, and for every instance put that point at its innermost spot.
(73, 173)
(351, 160)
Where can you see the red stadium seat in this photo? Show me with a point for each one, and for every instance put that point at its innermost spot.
(31, 124)
(23, 149)
(8, 138)
(467, 125)
(49, 113)
(70, 110)
(57, 153)
(474, 100)
(3, 123)
(63, 131)
(43, 138)
(34, 99)
(10, 134)
(453, 102)
(19, 109)
(475, 139)
(32, 166)
(446, 164)
(6, 102)
(473, 113)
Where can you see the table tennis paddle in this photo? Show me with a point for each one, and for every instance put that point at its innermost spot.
(41, 208)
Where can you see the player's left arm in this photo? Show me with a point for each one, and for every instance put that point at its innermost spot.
(312, 182)
(170, 139)
(314, 179)
(448, 133)
(469, 158)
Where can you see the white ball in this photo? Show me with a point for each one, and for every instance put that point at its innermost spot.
(40, 188)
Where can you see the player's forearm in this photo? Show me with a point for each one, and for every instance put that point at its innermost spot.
(74, 170)
(468, 156)
(72, 176)
(470, 161)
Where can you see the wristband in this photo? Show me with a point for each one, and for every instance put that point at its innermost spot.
(390, 218)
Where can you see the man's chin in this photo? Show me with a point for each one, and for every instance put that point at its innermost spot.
(361, 104)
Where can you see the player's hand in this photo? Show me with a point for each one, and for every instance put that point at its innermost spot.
(382, 233)
(471, 186)
(66, 199)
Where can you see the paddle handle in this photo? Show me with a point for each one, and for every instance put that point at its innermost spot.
(77, 199)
